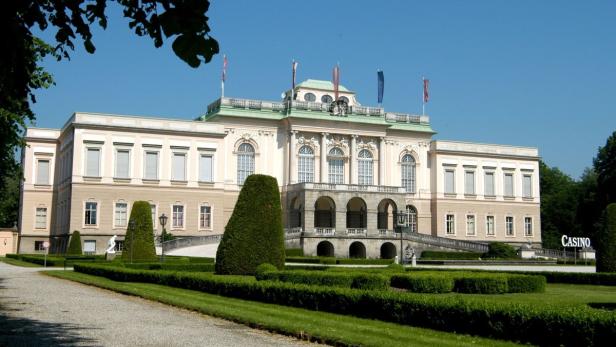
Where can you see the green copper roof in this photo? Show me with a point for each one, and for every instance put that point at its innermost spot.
(321, 85)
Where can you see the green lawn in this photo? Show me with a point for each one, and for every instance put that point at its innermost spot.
(310, 325)
(17, 262)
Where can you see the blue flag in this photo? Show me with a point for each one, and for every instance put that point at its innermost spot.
(381, 80)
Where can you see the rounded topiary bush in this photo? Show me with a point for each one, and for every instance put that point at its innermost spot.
(370, 282)
(254, 233)
(525, 283)
(74, 245)
(606, 241)
(500, 250)
(139, 239)
(263, 269)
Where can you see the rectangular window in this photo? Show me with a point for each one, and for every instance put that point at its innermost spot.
(205, 217)
(490, 225)
(119, 245)
(151, 166)
(121, 214)
(450, 224)
(90, 215)
(470, 225)
(508, 184)
(179, 167)
(93, 161)
(528, 226)
(153, 209)
(122, 163)
(38, 246)
(42, 172)
(205, 168)
(89, 246)
(469, 182)
(178, 216)
(509, 226)
(41, 218)
(527, 186)
(489, 184)
(450, 187)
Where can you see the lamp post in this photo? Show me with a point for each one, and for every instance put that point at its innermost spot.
(163, 220)
(402, 222)
(131, 226)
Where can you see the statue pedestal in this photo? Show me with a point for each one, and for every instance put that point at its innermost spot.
(110, 256)
(527, 253)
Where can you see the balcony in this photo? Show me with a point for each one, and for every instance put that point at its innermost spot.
(287, 107)
(357, 231)
(325, 231)
(347, 188)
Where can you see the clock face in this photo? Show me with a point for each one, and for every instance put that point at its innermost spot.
(326, 99)
(309, 97)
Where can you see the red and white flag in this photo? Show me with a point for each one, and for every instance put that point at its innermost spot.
(224, 68)
(336, 81)
(294, 66)
(426, 95)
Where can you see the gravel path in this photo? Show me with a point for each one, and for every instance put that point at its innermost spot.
(37, 310)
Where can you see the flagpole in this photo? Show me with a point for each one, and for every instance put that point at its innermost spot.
(423, 96)
(222, 87)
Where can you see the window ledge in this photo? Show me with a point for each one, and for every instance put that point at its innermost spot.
(92, 178)
(206, 183)
(42, 186)
(491, 197)
(490, 235)
(90, 226)
(528, 198)
(150, 181)
(451, 195)
(509, 197)
(470, 196)
(179, 183)
(121, 180)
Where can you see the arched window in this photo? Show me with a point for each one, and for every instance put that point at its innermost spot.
(408, 173)
(411, 212)
(336, 166)
(364, 167)
(305, 170)
(245, 162)
(344, 98)
(327, 99)
(309, 97)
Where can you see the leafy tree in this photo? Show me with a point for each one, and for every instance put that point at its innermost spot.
(184, 21)
(74, 246)
(254, 234)
(559, 203)
(139, 239)
(606, 241)
(500, 250)
(605, 167)
(9, 193)
(589, 207)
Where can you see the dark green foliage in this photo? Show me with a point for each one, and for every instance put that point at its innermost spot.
(605, 166)
(395, 267)
(349, 261)
(310, 260)
(254, 233)
(172, 267)
(263, 269)
(418, 283)
(139, 239)
(553, 326)
(499, 250)
(606, 241)
(9, 191)
(74, 246)
(356, 280)
(294, 252)
(481, 284)
(525, 284)
(437, 255)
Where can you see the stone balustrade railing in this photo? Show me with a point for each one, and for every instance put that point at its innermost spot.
(356, 231)
(348, 187)
(325, 231)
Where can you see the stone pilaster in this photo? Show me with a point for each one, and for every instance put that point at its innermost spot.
(323, 167)
(353, 160)
(382, 161)
(292, 156)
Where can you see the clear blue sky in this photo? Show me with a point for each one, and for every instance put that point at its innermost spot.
(529, 73)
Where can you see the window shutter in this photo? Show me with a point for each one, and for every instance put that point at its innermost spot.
(93, 162)
(469, 183)
(42, 174)
(205, 168)
(489, 184)
(449, 181)
(179, 166)
(508, 184)
(527, 186)
(122, 163)
(151, 165)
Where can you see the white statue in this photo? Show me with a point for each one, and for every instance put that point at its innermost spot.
(111, 245)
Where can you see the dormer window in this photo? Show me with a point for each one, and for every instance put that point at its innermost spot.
(327, 99)
(309, 97)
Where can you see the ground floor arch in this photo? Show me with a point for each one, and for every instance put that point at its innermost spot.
(324, 213)
(296, 213)
(386, 217)
(357, 250)
(325, 249)
(388, 250)
(357, 215)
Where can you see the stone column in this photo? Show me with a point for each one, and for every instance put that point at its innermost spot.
(372, 220)
(323, 166)
(292, 140)
(382, 161)
(353, 160)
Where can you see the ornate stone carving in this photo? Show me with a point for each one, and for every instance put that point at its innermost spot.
(246, 136)
(308, 139)
(337, 141)
(366, 143)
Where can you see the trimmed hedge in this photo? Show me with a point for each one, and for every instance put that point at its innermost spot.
(351, 261)
(542, 325)
(294, 252)
(253, 235)
(311, 260)
(606, 240)
(500, 250)
(172, 267)
(53, 260)
(469, 282)
(334, 279)
(341, 261)
(436, 255)
(423, 283)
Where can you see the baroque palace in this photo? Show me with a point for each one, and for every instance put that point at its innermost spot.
(345, 171)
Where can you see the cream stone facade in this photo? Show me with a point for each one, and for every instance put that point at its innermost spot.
(345, 171)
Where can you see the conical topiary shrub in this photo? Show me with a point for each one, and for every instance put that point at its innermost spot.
(74, 245)
(254, 234)
(606, 241)
(139, 239)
